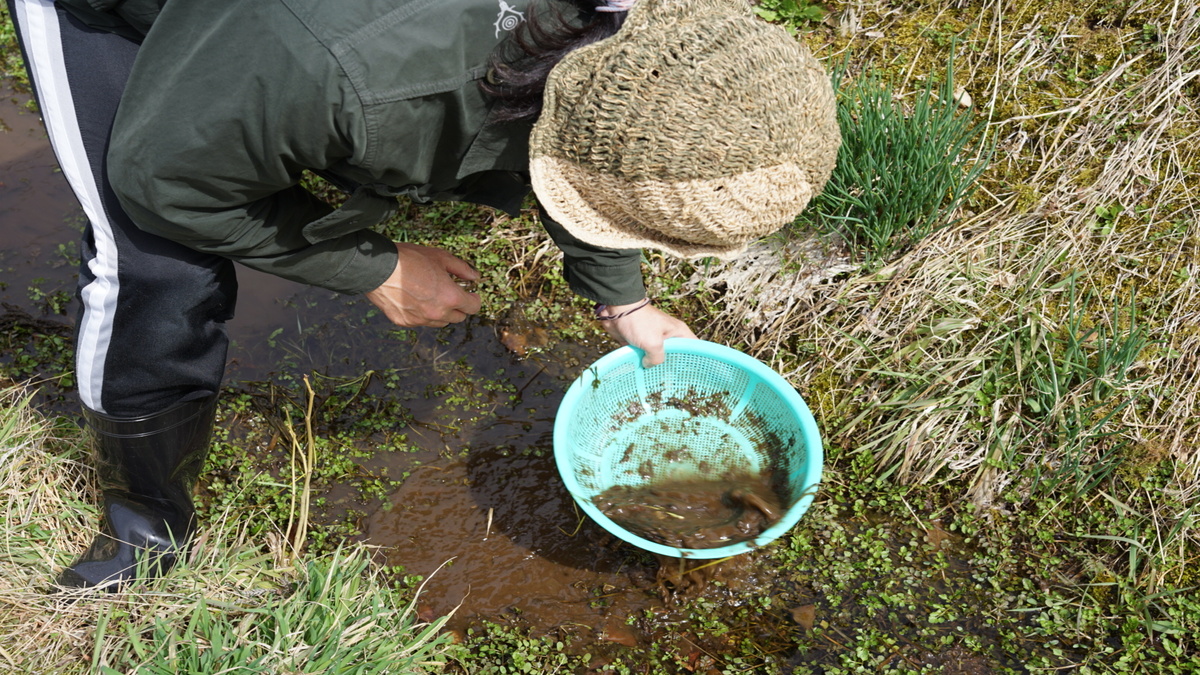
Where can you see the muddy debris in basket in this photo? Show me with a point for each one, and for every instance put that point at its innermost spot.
(694, 513)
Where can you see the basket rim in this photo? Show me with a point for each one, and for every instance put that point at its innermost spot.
(808, 430)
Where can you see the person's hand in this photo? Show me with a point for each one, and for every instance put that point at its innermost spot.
(422, 290)
(645, 329)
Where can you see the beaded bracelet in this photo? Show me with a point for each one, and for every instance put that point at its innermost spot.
(603, 317)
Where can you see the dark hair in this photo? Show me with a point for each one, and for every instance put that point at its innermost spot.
(518, 68)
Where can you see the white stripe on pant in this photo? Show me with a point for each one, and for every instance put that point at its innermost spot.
(43, 47)
(151, 332)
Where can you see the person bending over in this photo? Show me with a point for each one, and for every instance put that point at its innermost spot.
(184, 126)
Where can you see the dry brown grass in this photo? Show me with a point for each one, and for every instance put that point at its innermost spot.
(39, 478)
(48, 516)
(249, 588)
(895, 362)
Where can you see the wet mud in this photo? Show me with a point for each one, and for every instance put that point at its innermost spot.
(498, 540)
(496, 536)
(694, 513)
(38, 213)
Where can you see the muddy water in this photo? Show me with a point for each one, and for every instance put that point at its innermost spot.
(510, 540)
(692, 513)
(37, 211)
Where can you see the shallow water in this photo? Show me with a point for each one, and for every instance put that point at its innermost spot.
(37, 210)
(511, 540)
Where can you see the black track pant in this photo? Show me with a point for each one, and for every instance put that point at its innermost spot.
(151, 330)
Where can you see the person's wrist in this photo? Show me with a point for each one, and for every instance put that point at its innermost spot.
(610, 312)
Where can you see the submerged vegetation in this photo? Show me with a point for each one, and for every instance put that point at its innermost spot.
(1004, 374)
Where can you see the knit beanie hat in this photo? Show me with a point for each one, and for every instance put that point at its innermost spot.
(696, 129)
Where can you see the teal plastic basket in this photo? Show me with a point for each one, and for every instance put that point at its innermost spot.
(708, 410)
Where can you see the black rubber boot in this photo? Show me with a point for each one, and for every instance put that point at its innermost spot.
(147, 468)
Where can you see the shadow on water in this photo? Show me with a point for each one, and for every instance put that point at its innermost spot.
(490, 524)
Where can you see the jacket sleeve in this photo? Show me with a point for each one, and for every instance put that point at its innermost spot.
(609, 276)
(227, 104)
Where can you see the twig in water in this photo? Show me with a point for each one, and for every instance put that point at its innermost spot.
(308, 455)
(707, 564)
(578, 525)
(525, 386)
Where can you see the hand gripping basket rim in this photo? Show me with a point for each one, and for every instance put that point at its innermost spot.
(808, 429)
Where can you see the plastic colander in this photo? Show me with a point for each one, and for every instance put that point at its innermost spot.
(707, 411)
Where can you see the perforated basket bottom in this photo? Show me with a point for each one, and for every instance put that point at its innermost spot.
(675, 445)
(693, 417)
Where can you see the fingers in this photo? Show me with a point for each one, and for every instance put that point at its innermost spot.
(464, 302)
(655, 354)
(470, 304)
(456, 316)
(647, 329)
(681, 330)
(449, 316)
(424, 289)
(460, 268)
(656, 351)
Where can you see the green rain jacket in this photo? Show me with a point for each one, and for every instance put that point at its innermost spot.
(230, 100)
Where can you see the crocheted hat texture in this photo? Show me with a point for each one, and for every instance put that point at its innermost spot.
(696, 129)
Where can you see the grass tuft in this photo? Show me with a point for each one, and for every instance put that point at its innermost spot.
(336, 617)
(903, 169)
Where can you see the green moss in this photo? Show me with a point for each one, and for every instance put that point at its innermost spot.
(825, 394)
(1143, 459)
(12, 66)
